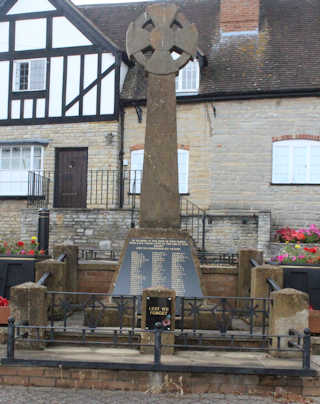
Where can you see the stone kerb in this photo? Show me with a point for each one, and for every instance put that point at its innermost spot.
(289, 310)
(259, 286)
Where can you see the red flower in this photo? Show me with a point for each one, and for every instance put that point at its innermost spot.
(33, 242)
(31, 252)
(20, 243)
(5, 244)
(42, 252)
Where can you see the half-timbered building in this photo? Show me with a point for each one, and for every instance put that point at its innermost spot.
(73, 109)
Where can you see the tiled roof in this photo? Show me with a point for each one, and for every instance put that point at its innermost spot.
(283, 56)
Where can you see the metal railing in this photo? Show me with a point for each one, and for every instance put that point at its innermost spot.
(219, 312)
(293, 343)
(193, 220)
(104, 189)
(38, 190)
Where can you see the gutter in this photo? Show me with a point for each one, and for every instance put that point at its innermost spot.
(235, 96)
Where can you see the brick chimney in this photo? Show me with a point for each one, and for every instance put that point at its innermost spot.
(239, 15)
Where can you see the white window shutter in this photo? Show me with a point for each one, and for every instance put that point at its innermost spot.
(281, 164)
(299, 166)
(314, 164)
(136, 171)
(37, 74)
(183, 170)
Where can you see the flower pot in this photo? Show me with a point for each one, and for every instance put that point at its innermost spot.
(4, 314)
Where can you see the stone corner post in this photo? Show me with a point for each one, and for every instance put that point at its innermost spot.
(289, 310)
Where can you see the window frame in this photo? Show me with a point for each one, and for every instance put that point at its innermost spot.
(17, 63)
(293, 144)
(195, 69)
(186, 152)
(18, 175)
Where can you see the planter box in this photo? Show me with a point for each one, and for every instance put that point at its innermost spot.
(4, 315)
(15, 270)
(306, 278)
(275, 248)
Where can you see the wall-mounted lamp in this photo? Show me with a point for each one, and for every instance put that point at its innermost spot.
(109, 138)
(139, 113)
(210, 219)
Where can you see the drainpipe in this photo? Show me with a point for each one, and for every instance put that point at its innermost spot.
(121, 153)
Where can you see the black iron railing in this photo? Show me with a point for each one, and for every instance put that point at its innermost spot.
(38, 190)
(193, 220)
(214, 313)
(104, 188)
(293, 343)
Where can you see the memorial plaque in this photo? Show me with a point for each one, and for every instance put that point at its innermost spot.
(158, 313)
(163, 262)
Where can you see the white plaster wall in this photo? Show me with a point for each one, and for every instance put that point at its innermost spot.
(65, 34)
(31, 34)
(123, 73)
(4, 36)
(30, 6)
(4, 84)
(56, 79)
(41, 105)
(107, 94)
(73, 83)
(27, 113)
(15, 109)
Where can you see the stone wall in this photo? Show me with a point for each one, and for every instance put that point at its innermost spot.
(90, 227)
(82, 227)
(10, 219)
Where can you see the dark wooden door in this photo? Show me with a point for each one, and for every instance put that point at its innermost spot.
(71, 178)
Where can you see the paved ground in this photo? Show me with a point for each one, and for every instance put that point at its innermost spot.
(37, 395)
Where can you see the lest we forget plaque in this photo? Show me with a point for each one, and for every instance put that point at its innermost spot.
(158, 312)
(153, 262)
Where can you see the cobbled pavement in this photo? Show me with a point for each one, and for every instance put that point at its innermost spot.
(45, 395)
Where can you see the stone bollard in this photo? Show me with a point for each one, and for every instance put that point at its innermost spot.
(260, 288)
(245, 268)
(290, 310)
(28, 305)
(72, 253)
(57, 282)
(158, 303)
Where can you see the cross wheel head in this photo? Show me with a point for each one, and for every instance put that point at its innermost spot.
(161, 39)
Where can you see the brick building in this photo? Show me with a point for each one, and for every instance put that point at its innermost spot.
(73, 115)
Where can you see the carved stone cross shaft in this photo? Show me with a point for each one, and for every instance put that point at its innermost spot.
(163, 41)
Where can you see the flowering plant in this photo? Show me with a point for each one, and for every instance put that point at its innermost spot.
(303, 235)
(296, 254)
(3, 302)
(30, 247)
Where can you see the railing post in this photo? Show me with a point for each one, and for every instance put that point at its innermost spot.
(11, 337)
(204, 218)
(43, 230)
(306, 348)
(157, 346)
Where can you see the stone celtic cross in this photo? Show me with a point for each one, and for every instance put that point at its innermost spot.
(162, 40)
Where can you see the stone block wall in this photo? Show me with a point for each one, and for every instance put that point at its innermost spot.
(82, 227)
(89, 227)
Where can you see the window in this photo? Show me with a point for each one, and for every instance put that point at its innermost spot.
(15, 163)
(29, 75)
(296, 162)
(188, 79)
(137, 167)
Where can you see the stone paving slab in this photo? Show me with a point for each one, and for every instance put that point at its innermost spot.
(41, 395)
